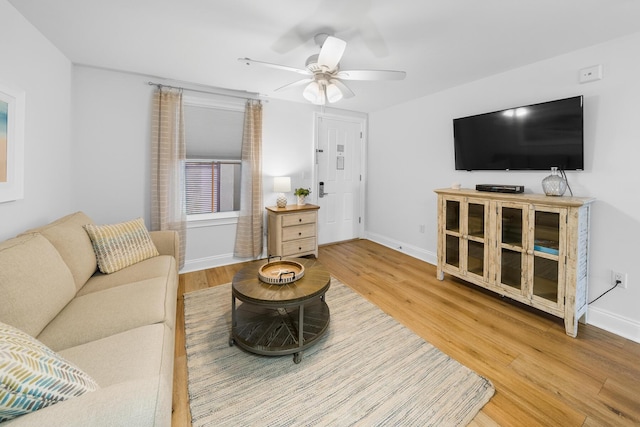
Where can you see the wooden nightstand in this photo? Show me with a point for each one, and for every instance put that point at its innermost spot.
(292, 231)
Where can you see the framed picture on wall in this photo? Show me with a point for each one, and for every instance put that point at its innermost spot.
(12, 113)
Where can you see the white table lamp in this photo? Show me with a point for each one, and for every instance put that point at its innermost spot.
(281, 184)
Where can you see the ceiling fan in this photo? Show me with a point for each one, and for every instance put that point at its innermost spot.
(323, 77)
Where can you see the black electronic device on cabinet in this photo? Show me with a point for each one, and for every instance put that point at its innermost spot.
(500, 188)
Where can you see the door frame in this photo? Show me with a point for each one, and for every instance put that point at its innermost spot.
(362, 120)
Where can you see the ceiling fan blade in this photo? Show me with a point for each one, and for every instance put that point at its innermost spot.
(371, 75)
(295, 84)
(250, 61)
(346, 92)
(331, 52)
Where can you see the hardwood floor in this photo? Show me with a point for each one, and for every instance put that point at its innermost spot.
(542, 376)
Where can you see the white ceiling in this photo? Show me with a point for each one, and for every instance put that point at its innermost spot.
(439, 43)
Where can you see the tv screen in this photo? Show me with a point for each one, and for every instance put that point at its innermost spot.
(531, 137)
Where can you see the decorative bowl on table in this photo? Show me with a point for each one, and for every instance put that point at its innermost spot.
(281, 272)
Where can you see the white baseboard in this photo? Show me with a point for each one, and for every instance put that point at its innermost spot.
(209, 262)
(191, 265)
(614, 323)
(405, 248)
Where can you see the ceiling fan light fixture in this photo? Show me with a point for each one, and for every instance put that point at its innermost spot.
(314, 93)
(334, 94)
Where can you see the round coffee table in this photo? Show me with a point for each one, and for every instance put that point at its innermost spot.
(278, 319)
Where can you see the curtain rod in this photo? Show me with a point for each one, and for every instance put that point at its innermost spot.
(251, 95)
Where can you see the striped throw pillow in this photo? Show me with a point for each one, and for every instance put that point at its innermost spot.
(120, 245)
(32, 376)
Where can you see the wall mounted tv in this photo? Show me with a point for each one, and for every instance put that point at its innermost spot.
(531, 137)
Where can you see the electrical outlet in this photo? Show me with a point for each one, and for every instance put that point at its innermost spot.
(616, 277)
(422, 229)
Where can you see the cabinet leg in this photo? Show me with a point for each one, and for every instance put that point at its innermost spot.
(440, 274)
(571, 326)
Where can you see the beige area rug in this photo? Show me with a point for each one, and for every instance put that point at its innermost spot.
(368, 370)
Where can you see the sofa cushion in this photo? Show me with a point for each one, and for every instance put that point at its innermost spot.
(140, 354)
(32, 376)
(160, 266)
(35, 283)
(120, 245)
(128, 404)
(101, 314)
(130, 355)
(68, 236)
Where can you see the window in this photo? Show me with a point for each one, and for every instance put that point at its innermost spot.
(212, 186)
(213, 132)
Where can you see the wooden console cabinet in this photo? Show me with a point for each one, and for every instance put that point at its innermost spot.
(529, 247)
(292, 231)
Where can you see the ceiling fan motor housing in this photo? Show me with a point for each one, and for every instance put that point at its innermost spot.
(312, 65)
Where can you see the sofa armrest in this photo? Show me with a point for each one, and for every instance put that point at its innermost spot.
(167, 242)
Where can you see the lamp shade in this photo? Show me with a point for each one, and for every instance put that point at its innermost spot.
(281, 184)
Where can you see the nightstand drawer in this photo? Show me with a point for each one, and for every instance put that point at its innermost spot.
(298, 218)
(299, 232)
(298, 246)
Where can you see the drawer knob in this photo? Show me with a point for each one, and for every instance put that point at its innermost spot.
(299, 234)
(299, 219)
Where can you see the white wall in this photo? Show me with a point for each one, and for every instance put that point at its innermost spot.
(30, 62)
(411, 153)
(111, 145)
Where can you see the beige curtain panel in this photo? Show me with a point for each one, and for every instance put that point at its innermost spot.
(250, 223)
(168, 153)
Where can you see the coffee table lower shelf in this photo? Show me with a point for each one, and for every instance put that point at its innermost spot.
(276, 331)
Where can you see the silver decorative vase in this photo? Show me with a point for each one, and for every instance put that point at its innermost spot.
(554, 184)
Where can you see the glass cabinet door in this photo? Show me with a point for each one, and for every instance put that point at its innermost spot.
(465, 234)
(547, 252)
(475, 238)
(511, 229)
(452, 232)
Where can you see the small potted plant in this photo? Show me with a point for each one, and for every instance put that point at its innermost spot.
(302, 193)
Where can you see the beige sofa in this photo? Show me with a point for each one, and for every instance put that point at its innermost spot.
(118, 328)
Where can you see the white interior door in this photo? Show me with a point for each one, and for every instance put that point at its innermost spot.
(339, 149)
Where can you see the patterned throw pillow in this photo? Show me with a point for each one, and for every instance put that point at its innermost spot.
(120, 245)
(32, 376)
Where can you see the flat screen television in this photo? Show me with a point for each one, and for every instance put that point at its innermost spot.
(531, 137)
